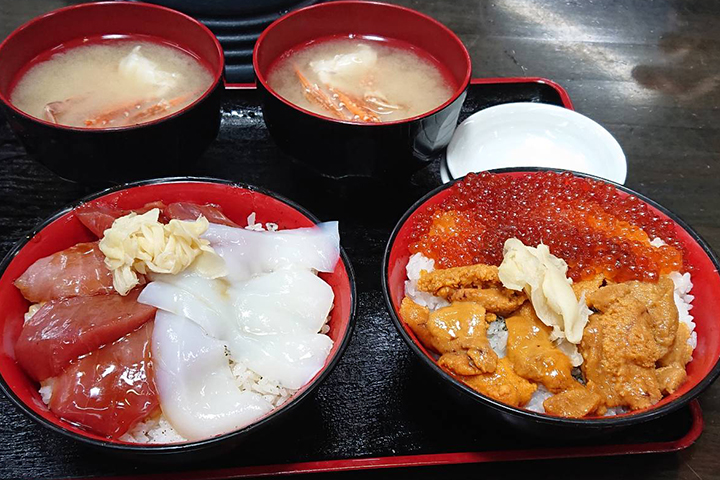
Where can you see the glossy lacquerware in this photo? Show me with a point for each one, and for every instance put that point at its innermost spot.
(341, 149)
(169, 145)
(702, 370)
(63, 230)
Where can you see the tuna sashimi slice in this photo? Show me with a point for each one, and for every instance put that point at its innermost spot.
(98, 218)
(111, 389)
(77, 271)
(191, 211)
(63, 330)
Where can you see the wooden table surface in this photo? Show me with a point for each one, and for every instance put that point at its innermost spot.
(648, 70)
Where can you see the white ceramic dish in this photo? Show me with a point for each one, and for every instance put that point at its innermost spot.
(533, 135)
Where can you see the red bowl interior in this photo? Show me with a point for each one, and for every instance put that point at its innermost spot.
(369, 19)
(66, 230)
(71, 25)
(706, 289)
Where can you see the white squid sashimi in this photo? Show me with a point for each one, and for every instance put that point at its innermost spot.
(249, 253)
(198, 393)
(286, 301)
(211, 292)
(291, 360)
(214, 318)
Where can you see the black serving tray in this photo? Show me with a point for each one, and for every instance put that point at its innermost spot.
(237, 24)
(377, 408)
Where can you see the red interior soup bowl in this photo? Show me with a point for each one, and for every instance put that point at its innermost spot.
(338, 147)
(701, 371)
(63, 230)
(166, 145)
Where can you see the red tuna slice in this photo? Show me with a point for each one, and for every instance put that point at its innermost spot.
(98, 218)
(109, 390)
(191, 211)
(77, 271)
(63, 330)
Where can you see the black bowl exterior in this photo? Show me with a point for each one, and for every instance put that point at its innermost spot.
(201, 449)
(344, 149)
(526, 420)
(166, 147)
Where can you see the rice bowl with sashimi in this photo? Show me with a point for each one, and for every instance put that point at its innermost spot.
(555, 298)
(178, 324)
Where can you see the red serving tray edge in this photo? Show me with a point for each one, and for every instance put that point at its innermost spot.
(421, 460)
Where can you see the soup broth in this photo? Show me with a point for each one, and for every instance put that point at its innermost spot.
(361, 80)
(111, 84)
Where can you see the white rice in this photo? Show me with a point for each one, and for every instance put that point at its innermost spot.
(497, 334)
(32, 311)
(615, 411)
(683, 302)
(416, 264)
(157, 428)
(46, 387)
(258, 227)
(497, 331)
(536, 401)
(657, 242)
(272, 391)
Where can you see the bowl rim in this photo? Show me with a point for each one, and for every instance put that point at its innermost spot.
(457, 92)
(549, 112)
(611, 421)
(170, 448)
(218, 73)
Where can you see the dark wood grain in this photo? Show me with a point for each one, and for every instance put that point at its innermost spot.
(647, 70)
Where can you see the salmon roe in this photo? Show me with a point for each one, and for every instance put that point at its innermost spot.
(587, 223)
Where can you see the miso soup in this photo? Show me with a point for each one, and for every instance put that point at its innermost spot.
(362, 80)
(111, 84)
